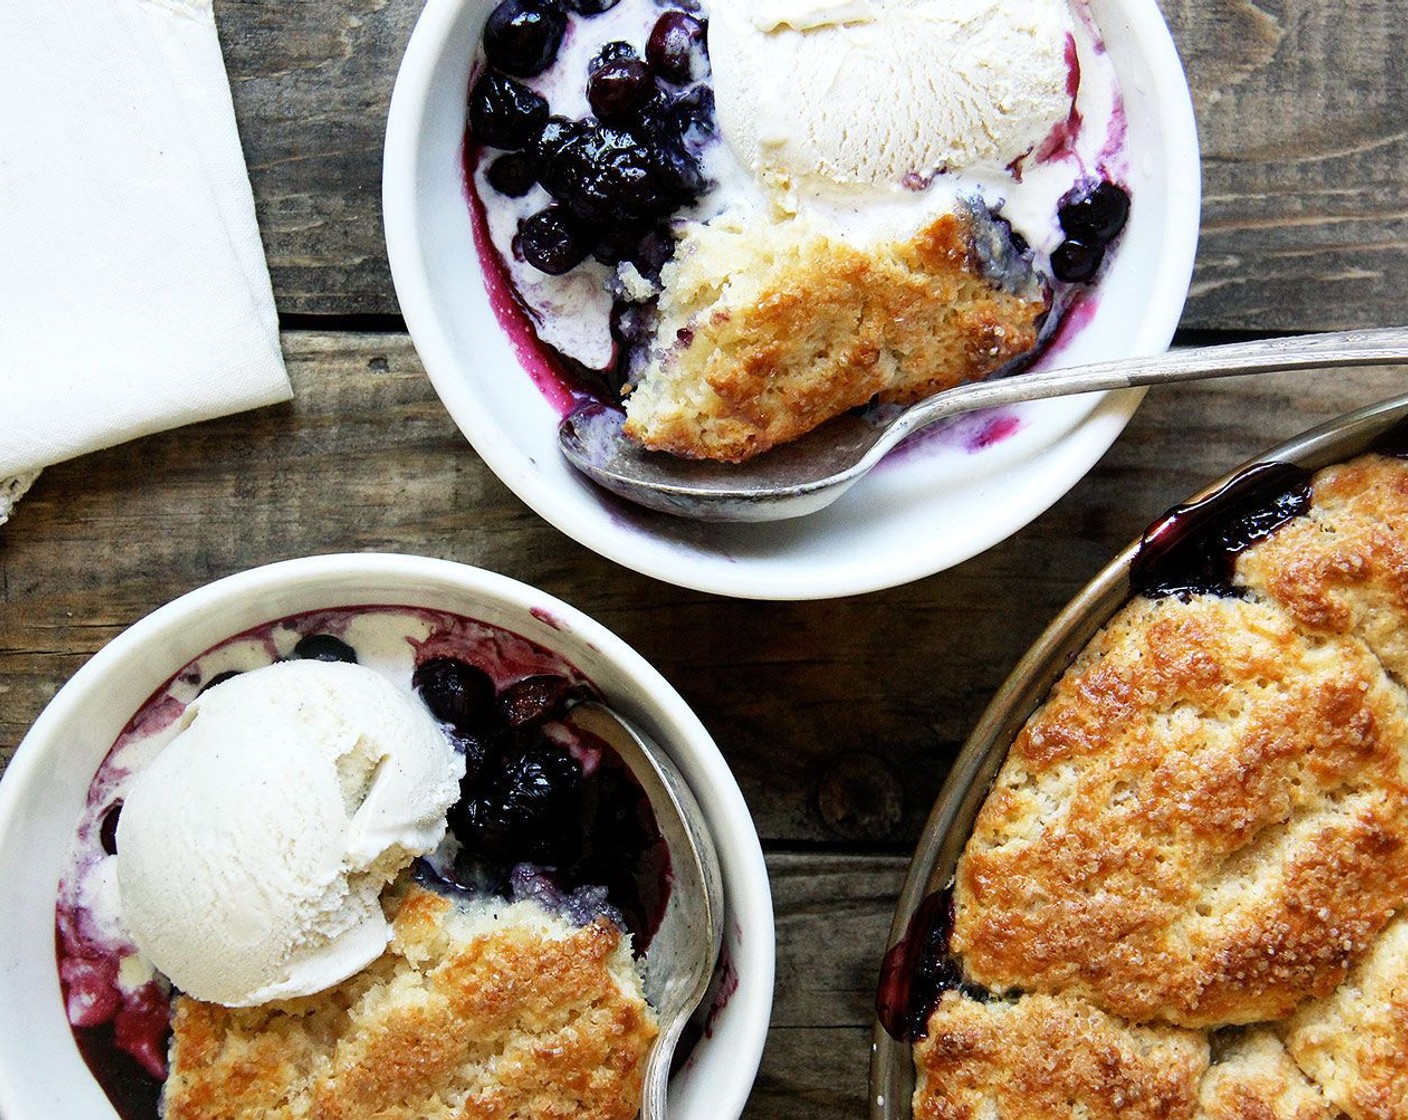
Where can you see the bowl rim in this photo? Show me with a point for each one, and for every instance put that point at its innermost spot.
(411, 580)
(729, 573)
(966, 787)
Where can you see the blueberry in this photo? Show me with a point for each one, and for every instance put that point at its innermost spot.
(618, 90)
(527, 809)
(552, 241)
(1076, 262)
(219, 678)
(556, 134)
(615, 51)
(692, 114)
(512, 174)
(676, 49)
(324, 647)
(456, 693)
(478, 752)
(653, 252)
(522, 37)
(681, 173)
(107, 831)
(1095, 216)
(606, 176)
(534, 699)
(504, 113)
(592, 7)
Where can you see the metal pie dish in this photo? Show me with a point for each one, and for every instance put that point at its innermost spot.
(951, 821)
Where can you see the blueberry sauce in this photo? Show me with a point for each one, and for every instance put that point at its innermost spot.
(1194, 548)
(547, 811)
(919, 968)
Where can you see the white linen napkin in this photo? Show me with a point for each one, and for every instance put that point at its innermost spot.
(134, 294)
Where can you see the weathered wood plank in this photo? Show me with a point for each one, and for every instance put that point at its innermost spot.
(833, 914)
(840, 718)
(1301, 108)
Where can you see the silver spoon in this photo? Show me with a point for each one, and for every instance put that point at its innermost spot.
(802, 477)
(685, 949)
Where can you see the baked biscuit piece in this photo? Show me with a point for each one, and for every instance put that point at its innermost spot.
(1344, 567)
(1206, 823)
(1253, 1078)
(1049, 1057)
(469, 1015)
(1355, 1044)
(770, 329)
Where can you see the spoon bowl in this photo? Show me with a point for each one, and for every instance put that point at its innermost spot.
(682, 955)
(799, 478)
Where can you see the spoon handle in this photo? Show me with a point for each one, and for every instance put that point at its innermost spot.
(1383, 346)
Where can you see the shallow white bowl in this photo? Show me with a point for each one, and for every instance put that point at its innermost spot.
(923, 511)
(43, 1076)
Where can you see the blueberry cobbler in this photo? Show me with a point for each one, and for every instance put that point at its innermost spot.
(736, 220)
(1186, 894)
(362, 863)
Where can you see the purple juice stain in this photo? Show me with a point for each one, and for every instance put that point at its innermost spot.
(918, 969)
(1194, 548)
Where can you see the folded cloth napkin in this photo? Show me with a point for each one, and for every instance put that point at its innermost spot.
(134, 295)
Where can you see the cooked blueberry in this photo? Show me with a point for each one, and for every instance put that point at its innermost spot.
(618, 243)
(534, 699)
(692, 114)
(324, 647)
(592, 7)
(219, 678)
(504, 113)
(618, 90)
(653, 252)
(477, 750)
(552, 241)
(556, 133)
(1076, 262)
(456, 693)
(607, 176)
(1095, 216)
(522, 37)
(615, 51)
(676, 49)
(512, 174)
(679, 171)
(527, 809)
(107, 831)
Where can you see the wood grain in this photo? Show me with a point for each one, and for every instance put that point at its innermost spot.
(1302, 111)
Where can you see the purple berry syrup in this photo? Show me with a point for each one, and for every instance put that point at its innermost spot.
(595, 826)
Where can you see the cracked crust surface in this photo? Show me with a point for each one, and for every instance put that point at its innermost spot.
(1050, 1057)
(1355, 1043)
(478, 1014)
(1206, 823)
(1343, 569)
(770, 329)
(1253, 1078)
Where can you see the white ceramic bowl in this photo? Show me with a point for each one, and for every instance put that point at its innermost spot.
(42, 1075)
(921, 512)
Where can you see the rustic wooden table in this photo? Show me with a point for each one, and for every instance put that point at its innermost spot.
(840, 718)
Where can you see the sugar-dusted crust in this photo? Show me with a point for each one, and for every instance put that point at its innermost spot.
(1253, 1078)
(471, 1015)
(1052, 1056)
(1355, 1043)
(1206, 823)
(1344, 568)
(770, 329)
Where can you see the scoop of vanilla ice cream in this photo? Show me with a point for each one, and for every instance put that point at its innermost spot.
(869, 92)
(252, 851)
